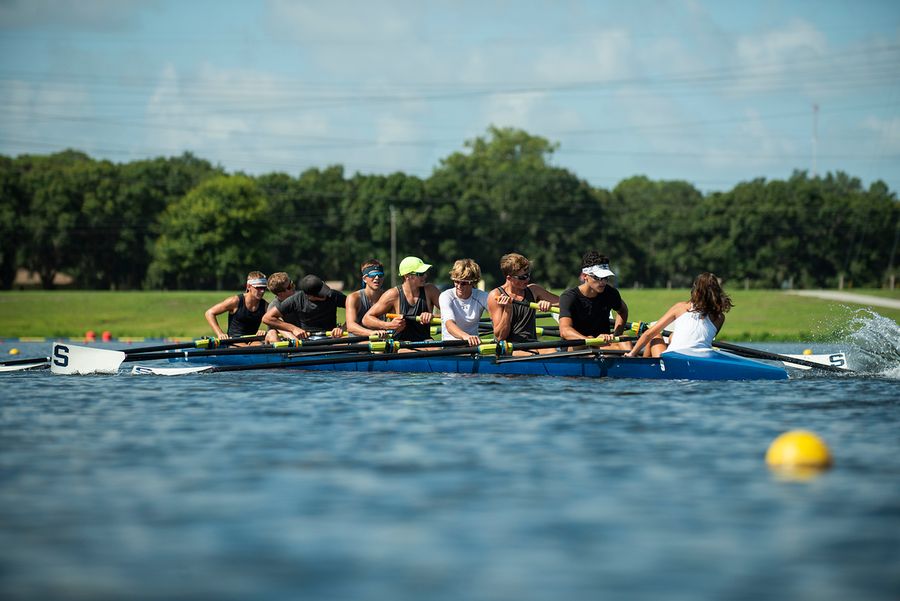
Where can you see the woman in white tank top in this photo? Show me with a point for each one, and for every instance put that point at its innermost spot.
(695, 322)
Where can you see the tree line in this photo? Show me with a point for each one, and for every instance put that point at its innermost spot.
(183, 223)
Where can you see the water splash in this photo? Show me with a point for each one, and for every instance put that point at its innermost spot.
(873, 343)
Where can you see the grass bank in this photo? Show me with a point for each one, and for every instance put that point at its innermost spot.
(758, 314)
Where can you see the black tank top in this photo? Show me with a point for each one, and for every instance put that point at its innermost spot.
(522, 321)
(414, 330)
(364, 305)
(245, 322)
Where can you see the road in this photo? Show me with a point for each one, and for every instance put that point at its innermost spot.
(849, 297)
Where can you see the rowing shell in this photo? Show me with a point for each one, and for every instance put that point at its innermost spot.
(703, 365)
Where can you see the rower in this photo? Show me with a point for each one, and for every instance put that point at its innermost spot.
(311, 308)
(414, 300)
(282, 286)
(462, 305)
(585, 309)
(245, 311)
(513, 319)
(359, 302)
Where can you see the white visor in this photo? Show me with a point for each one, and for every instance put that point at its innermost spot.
(598, 271)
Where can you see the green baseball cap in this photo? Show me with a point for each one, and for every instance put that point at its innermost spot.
(413, 265)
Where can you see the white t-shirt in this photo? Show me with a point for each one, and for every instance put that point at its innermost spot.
(464, 312)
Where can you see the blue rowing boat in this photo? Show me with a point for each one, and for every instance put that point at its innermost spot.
(703, 365)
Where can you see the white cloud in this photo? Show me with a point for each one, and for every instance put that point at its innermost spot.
(241, 118)
(605, 55)
(773, 58)
(885, 134)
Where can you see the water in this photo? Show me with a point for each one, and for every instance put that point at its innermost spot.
(286, 485)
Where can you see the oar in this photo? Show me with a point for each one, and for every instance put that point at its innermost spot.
(24, 361)
(492, 349)
(565, 355)
(24, 364)
(21, 364)
(282, 346)
(436, 321)
(379, 346)
(73, 359)
(199, 343)
(749, 352)
(535, 306)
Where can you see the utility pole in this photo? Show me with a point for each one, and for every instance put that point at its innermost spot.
(393, 246)
(815, 139)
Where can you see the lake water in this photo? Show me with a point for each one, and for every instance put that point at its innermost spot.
(292, 485)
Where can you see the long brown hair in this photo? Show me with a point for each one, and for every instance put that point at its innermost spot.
(708, 298)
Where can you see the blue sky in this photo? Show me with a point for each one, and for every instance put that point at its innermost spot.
(712, 92)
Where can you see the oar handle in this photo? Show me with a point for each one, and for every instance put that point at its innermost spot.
(205, 343)
(435, 321)
(534, 306)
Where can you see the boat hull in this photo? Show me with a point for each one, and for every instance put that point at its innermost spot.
(712, 365)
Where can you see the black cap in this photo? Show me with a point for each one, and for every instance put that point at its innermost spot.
(313, 285)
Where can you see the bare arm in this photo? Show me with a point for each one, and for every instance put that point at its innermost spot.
(501, 313)
(386, 304)
(544, 297)
(656, 329)
(351, 311)
(229, 305)
(274, 319)
(567, 330)
(433, 296)
(621, 318)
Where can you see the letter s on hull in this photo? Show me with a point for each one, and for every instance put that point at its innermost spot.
(61, 355)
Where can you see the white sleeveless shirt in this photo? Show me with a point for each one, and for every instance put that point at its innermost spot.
(691, 331)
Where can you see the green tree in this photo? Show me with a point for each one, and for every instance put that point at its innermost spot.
(503, 195)
(212, 236)
(54, 224)
(145, 189)
(13, 206)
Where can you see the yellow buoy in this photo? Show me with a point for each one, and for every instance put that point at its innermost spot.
(798, 449)
(13, 351)
(807, 351)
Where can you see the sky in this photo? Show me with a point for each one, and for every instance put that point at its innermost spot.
(710, 92)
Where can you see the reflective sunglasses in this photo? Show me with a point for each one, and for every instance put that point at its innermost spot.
(524, 277)
(464, 282)
(596, 279)
(374, 274)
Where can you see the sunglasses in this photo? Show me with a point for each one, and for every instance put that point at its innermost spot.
(464, 282)
(374, 274)
(596, 279)
(263, 288)
(524, 277)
